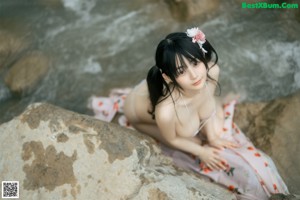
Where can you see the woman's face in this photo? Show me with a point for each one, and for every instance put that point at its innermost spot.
(193, 77)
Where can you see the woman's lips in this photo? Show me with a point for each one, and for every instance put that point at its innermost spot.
(197, 83)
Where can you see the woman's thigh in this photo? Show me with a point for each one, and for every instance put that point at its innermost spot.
(151, 130)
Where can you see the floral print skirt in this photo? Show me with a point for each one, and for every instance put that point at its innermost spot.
(250, 173)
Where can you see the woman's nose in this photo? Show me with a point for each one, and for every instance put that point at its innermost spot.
(192, 72)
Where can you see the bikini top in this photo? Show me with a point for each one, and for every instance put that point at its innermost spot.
(205, 120)
(202, 122)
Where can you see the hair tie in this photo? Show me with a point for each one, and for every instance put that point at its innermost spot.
(197, 36)
(169, 41)
(157, 68)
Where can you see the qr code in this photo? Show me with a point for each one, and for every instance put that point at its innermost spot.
(10, 189)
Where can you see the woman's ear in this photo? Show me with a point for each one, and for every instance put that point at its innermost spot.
(166, 78)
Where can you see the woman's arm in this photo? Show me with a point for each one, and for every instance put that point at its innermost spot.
(213, 136)
(209, 155)
(210, 128)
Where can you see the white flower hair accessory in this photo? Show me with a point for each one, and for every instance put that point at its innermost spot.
(197, 36)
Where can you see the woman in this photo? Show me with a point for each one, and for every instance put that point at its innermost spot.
(177, 106)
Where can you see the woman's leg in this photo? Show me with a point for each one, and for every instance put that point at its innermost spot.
(149, 129)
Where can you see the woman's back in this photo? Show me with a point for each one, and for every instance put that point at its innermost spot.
(137, 104)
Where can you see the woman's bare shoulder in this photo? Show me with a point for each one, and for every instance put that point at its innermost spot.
(213, 72)
(165, 111)
(165, 119)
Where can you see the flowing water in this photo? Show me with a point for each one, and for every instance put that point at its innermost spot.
(96, 45)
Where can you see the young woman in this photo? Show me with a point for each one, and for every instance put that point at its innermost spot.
(177, 106)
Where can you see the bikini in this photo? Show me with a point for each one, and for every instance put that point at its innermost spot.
(246, 168)
(202, 122)
(205, 120)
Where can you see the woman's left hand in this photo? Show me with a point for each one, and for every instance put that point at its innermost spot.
(222, 143)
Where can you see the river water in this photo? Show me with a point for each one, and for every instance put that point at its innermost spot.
(96, 45)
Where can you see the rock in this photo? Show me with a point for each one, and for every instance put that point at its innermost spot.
(183, 10)
(274, 128)
(10, 47)
(58, 154)
(26, 73)
(246, 113)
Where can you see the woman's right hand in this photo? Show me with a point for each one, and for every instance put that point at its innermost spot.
(211, 158)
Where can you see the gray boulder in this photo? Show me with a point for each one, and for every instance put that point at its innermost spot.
(58, 154)
(274, 128)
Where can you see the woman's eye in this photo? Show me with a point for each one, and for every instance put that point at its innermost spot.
(195, 63)
(180, 70)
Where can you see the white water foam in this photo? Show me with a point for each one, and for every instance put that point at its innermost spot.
(92, 67)
(116, 32)
(80, 7)
(127, 29)
(262, 65)
(297, 79)
(282, 58)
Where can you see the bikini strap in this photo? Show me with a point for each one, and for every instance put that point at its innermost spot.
(211, 115)
(206, 120)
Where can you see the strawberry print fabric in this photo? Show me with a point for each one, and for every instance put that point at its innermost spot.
(250, 173)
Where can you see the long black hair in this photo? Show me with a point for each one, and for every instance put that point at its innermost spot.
(174, 45)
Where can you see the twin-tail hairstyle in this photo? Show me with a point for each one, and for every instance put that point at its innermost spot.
(176, 45)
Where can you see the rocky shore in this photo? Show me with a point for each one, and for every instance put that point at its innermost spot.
(55, 153)
(58, 154)
(274, 128)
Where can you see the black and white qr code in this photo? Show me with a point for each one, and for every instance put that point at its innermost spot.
(10, 189)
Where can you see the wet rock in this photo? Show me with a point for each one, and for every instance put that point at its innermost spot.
(274, 127)
(188, 9)
(10, 47)
(58, 154)
(26, 73)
